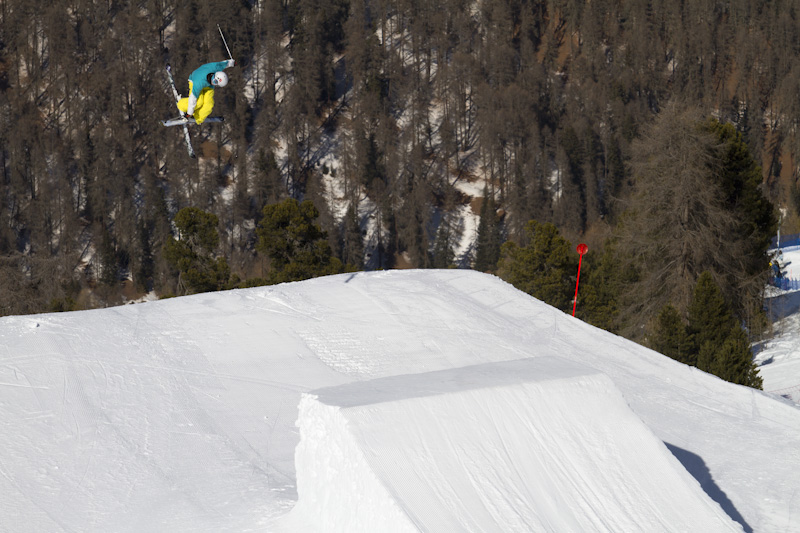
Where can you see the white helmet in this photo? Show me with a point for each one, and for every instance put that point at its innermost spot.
(220, 79)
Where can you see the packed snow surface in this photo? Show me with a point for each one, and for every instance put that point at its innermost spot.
(525, 445)
(184, 414)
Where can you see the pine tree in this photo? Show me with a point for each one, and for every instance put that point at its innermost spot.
(352, 238)
(734, 361)
(717, 338)
(545, 268)
(676, 222)
(670, 337)
(696, 206)
(598, 300)
(710, 320)
(193, 253)
(442, 255)
(487, 246)
(298, 248)
(146, 271)
(109, 273)
(740, 180)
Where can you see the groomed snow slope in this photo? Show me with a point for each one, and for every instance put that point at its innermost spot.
(179, 415)
(540, 444)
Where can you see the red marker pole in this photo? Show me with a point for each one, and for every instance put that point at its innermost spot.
(581, 249)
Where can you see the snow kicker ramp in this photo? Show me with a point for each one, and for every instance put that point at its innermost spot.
(540, 444)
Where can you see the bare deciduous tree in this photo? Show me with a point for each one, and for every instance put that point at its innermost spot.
(677, 225)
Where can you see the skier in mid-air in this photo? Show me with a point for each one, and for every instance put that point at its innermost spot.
(202, 82)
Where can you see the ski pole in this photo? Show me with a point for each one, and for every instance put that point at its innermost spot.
(225, 43)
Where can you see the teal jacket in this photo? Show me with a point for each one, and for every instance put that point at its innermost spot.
(200, 79)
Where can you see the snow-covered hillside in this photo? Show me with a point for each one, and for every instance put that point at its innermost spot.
(779, 357)
(189, 414)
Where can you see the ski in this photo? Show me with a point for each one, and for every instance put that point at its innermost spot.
(185, 127)
(181, 121)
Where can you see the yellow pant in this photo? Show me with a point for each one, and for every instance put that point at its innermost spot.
(205, 103)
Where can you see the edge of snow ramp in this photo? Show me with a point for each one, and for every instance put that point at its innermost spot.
(540, 444)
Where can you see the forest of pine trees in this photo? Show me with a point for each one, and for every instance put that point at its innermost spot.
(375, 113)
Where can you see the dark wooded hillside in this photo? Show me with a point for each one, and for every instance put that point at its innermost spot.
(397, 104)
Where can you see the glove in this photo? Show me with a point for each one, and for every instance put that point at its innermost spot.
(231, 62)
(187, 116)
